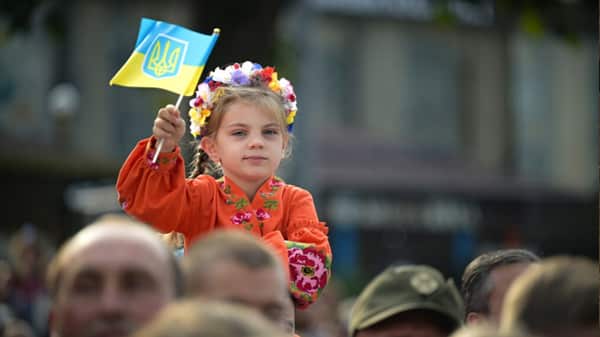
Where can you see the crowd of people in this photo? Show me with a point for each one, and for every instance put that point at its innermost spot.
(118, 277)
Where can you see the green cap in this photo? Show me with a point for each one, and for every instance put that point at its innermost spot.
(404, 288)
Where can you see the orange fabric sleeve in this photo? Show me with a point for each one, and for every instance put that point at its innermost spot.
(160, 195)
(303, 224)
(275, 240)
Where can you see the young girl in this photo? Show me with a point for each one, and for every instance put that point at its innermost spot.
(243, 116)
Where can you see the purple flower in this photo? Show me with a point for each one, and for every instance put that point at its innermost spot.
(239, 78)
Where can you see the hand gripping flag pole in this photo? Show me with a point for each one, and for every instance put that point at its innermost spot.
(166, 56)
(162, 140)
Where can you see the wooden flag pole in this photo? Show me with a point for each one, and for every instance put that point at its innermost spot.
(161, 141)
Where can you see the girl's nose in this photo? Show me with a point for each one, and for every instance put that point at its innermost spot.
(256, 141)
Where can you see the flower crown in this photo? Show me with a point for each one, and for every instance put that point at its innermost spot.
(247, 74)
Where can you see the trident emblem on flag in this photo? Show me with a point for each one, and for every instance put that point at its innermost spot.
(165, 57)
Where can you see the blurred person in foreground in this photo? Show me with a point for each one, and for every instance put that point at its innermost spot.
(238, 267)
(204, 318)
(109, 279)
(10, 326)
(556, 298)
(18, 328)
(486, 330)
(29, 251)
(486, 279)
(408, 300)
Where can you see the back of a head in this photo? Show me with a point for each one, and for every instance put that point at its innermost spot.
(405, 289)
(486, 330)
(225, 246)
(555, 298)
(201, 318)
(474, 284)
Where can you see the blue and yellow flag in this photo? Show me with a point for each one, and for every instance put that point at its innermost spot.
(166, 56)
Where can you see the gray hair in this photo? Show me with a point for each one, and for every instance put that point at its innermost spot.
(476, 284)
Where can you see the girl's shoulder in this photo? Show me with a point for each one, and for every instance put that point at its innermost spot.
(294, 191)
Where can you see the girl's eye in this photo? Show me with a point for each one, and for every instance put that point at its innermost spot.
(271, 132)
(238, 133)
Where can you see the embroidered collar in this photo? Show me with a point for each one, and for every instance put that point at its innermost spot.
(247, 216)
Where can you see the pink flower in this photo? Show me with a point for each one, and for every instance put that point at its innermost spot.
(149, 157)
(241, 217)
(262, 215)
(275, 183)
(307, 268)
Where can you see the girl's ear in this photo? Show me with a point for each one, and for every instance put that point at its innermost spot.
(208, 145)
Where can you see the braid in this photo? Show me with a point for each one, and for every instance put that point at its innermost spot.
(202, 164)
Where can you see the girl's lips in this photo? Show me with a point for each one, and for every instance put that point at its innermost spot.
(255, 158)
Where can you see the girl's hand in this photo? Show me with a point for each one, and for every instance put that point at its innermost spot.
(169, 126)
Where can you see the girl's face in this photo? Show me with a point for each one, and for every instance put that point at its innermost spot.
(249, 143)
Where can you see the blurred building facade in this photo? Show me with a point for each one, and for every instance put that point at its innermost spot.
(422, 141)
(429, 142)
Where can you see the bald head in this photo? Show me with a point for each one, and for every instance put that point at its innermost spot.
(203, 318)
(228, 247)
(110, 278)
(237, 267)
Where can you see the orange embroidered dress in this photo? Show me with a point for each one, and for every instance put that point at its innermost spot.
(160, 195)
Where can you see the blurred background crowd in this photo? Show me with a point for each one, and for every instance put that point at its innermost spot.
(428, 131)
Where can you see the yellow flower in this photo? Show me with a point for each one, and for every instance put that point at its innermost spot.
(290, 117)
(194, 116)
(274, 84)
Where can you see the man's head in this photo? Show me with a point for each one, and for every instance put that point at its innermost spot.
(486, 279)
(556, 298)
(237, 267)
(487, 330)
(110, 278)
(412, 300)
(205, 318)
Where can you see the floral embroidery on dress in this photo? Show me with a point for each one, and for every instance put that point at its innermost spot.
(309, 272)
(244, 215)
(149, 157)
(241, 217)
(275, 183)
(262, 215)
(161, 160)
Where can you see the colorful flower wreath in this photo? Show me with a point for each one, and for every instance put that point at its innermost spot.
(236, 75)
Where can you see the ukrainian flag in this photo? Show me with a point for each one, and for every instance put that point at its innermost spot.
(166, 56)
